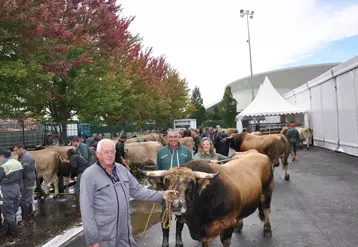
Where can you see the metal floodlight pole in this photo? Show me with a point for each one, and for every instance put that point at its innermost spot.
(249, 14)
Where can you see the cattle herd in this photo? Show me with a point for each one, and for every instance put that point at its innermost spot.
(213, 199)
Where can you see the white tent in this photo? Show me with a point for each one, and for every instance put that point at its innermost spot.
(268, 102)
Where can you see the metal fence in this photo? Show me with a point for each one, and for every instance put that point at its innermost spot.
(114, 131)
(26, 132)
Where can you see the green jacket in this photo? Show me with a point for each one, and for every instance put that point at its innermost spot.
(168, 158)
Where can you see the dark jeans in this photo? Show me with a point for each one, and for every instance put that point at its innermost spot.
(293, 147)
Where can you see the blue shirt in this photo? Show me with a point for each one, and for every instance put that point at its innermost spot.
(114, 176)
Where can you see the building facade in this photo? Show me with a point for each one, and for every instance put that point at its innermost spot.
(283, 80)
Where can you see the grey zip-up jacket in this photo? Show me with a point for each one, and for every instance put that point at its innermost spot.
(105, 205)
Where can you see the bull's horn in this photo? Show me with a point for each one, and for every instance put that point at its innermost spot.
(160, 173)
(205, 175)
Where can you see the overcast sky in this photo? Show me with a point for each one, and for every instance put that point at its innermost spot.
(206, 40)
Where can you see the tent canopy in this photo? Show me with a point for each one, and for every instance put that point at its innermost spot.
(268, 102)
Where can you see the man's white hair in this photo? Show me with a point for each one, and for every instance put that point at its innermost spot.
(99, 144)
(173, 131)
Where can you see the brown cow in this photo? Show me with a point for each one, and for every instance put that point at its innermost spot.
(188, 142)
(149, 137)
(212, 198)
(256, 133)
(231, 131)
(142, 153)
(275, 146)
(47, 165)
(62, 150)
(306, 134)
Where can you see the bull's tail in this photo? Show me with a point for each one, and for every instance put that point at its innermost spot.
(311, 134)
(287, 151)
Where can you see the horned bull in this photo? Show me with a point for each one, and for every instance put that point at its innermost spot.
(213, 200)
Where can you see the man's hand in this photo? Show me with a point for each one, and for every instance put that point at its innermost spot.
(94, 245)
(64, 160)
(214, 161)
(167, 192)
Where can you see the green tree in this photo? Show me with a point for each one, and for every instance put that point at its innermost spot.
(214, 114)
(197, 101)
(227, 108)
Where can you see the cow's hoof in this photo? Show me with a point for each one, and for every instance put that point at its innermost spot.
(226, 242)
(287, 177)
(165, 244)
(239, 226)
(267, 233)
(179, 244)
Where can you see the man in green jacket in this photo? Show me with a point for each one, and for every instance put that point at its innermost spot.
(169, 156)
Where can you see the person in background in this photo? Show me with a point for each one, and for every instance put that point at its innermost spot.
(79, 164)
(206, 152)
(10, 185)
(120, 149)
(293, 136)
(83, 149)
(196, 137)
(211, 133)
(218, 130)
(93, 141)
(106, 188)
(169, 156)
(222, 143)
(28, 179)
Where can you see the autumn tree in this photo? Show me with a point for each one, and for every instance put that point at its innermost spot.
(197, 101)
(66, 57)
(64, 37)
(176, 95)
(227, 108)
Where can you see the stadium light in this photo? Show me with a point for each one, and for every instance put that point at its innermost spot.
(249, 15)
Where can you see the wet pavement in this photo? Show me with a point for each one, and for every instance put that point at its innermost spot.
(52, 216)
(315, 208)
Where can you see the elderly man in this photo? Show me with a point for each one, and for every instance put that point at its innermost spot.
(29, 180)
(10, 184)
(105, 189)
(172, 155)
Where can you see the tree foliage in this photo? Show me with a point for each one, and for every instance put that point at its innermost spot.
(197, 101)
(63, 58)
(227, 108)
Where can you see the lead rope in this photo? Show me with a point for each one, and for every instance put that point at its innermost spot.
(167, 215)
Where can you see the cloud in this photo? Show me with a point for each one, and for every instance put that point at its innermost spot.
(206, 40)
